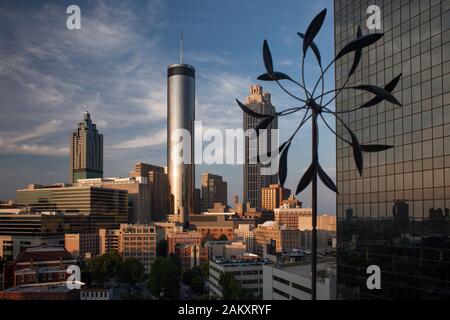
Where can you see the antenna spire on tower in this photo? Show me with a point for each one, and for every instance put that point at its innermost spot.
(181, 48)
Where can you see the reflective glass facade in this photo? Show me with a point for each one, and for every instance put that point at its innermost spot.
(396, 215)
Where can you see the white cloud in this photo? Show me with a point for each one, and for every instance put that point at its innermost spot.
(155, 139)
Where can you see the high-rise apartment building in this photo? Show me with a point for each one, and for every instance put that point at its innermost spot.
(273, 196)
(86, 151)
(180, 131)
(214, 190)
(253, 181)
(396, 215)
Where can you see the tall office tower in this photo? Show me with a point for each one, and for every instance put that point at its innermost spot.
(86, 151)
(181, 115)
(396, 216)
(214, 190)
(258, 101)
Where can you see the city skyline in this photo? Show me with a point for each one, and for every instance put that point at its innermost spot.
(124, 120)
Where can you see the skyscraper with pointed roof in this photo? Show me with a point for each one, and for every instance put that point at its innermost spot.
(86, 151)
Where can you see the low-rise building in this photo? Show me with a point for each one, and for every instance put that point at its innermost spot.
(96, 294)
(271, 232)
(139, 242)
(191, 256)
(245, 233)
(292, 281)
(84, 245)
(180, 239)
(247, 270)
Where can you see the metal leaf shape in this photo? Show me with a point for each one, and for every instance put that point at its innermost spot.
(307, 178)
(313, 30)
(267, 56)
(379, 92)
(358, 54)
(374, 147)
(314, 48)
(250, 112)
(357, 154)
(264, 124)
(327, 181)
(359, 43)
(274, 77)
(389, 88)
(282, 168)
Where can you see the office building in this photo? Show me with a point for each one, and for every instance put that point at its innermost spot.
(396, 216)
(253, 179)
(290, 217)
(84, 245)
(245, 233)
(191, 256)
(214, 190)
(181, 116)
(271, 232)
(247, 271)
(139, 242)
(87, 209)
(109, 240)
(273, 196)
(86, 151)
(180, 239)
(138, 191)
(157, 180)
(292, 281)
(224, 249)
(213, 225)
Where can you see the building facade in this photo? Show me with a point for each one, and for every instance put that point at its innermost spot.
(271, 232)
(253, 181)
(214, 190)
(86, 151)
(273, 196)
(139, 242)
(396, 215)
(179, 239)
(84, 245)
(181, 116)
(291, 217)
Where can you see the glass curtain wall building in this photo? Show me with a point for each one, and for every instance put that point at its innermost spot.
(397, 215)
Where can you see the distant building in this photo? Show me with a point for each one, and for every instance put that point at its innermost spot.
(219, 207)
(292, 217)
(86, 151)
(273, 196)
(157, 180)
(247, 270)
(86, 208)
(191, 256)
(214, 190)
(131, 241)
(96, 294)
(285, 239)
(139, 242)
(197, 201)
(253, 181)
(84, 245)
(245, 233)
(139, 195)
(180, 239)
(225, 249)
(292, 281)
(213, 225)
(164, 228)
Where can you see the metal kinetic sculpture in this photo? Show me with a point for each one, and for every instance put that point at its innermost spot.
(314, 107)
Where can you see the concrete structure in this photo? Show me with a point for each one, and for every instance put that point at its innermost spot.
(84, 245)
(138, 191)
(86, 151)
(181, 116)
(247, 270)
(271, 232)
(273, 196)
(158, 182)
(292, 281)
(253, 180)
(214, 190)
(87, 208)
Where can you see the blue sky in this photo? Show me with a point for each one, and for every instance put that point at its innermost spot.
(115, 67)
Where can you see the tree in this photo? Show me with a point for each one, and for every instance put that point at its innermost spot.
(223, 238)
(164, 279)
(161, 248)
(104, 267)
(198, 285)
(231, 289)
(130, 271)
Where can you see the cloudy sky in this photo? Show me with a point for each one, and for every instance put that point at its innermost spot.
(115, 67)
